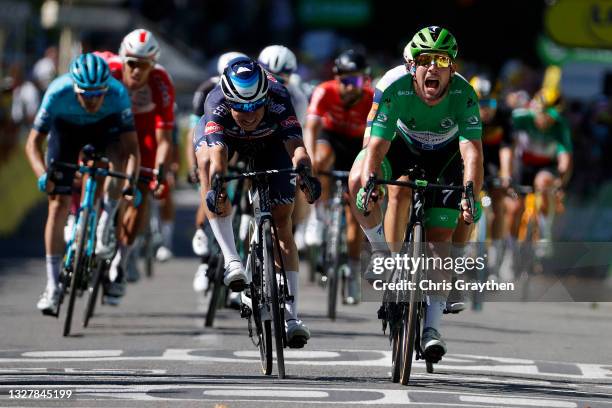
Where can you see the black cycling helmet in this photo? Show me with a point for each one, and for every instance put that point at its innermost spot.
(351, 61)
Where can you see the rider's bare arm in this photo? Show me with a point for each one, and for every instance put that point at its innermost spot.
(311, 133)
(164, 146)
(564, 166)
(471, 153)
(298, 153)
(129, 144)
(505, 160)
(34, 151)
(375, 153)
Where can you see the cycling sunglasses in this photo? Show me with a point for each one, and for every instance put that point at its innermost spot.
(247, 107)
(441, 61)
(90, 93)
(354, 80)
(488, 103)
(141, 63)
(281, 79)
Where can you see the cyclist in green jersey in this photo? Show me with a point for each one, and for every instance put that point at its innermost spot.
(423, 114)
(544, 150)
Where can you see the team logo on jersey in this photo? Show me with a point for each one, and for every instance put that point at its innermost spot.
(387, 101)
(470, 102)
(473, 120)
(212, 127)
(381, 117)
(405, 93)
(456, 92)
(291, 121)
(276, 108)
(447, 123)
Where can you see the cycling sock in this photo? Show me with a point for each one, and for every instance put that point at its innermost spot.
(113, 272)
(376, 236)
(224, 233)
(354, 267)
(167, 230)
(292, 281)
(54, 263)
(435, 308)
(110, 206)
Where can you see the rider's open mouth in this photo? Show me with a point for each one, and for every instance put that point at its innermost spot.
(432, 84)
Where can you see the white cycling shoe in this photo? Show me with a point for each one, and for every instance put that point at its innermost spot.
(200, 280)
(163, 254)
(235, 276)
(48, 301)
(106, 239)
(313, 236)
(297, 333)
(199, 243)
(432, 345)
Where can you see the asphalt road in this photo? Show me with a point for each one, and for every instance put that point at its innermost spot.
(153, 349)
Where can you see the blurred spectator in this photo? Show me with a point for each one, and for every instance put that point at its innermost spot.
(8, 130)
(45, 69)
(26, 98)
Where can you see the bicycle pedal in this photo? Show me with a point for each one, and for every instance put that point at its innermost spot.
(245, 311)
(297, 342)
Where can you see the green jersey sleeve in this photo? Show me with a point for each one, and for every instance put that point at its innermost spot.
(564, 144)
(522, 119)
(384, 114)
(470, 125)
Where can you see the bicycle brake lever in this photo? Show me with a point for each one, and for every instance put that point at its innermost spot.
(369, 189)
(469, 195)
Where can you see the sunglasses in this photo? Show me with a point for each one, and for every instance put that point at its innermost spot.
(281, 79)
(90, 93)
(488, 103)
(247, 107)
(134, 63)
(354, 80)
(441, 61)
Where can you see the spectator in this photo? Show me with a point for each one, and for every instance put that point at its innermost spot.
(45, 69)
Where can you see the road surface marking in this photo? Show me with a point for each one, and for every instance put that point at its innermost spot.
(532, 402)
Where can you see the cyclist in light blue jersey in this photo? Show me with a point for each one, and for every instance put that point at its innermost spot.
(84, 106)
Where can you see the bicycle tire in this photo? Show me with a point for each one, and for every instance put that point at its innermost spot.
(78, 264)
(148, 242)
(94, 289)
(396, 355)
(333, 248)
(264, 331)
(272, 291)
(217, 290)
(410, 310)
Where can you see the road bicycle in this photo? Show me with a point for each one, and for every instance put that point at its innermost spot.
(404, 310)
(79, 258)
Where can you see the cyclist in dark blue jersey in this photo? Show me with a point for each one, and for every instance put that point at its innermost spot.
(251, 114)
(84, 106)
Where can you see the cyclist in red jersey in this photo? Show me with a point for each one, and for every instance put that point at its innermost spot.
(152, 93)
(334, 130)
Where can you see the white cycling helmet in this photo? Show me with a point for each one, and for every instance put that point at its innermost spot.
(225, 58)
(140, 43)
(407, 53)
(278, 59)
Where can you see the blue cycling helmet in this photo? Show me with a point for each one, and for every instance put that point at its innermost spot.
(244, 82)
(89, 71)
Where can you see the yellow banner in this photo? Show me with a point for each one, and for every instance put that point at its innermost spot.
(580, 23)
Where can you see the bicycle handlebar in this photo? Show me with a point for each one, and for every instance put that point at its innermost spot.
(83, 169)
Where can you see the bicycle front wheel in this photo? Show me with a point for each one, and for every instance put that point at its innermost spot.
(217, 290)
(79, 263)
(271, 285)
(410, 313)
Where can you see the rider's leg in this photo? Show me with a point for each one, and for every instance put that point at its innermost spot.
(324, 161)
(166, 215)
(282, 221)
(59, 206)
(113, 186)
(354, 240)
(371, 224)
(396, 216)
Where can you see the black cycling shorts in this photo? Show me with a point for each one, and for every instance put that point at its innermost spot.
(66, 140)
(345, 148)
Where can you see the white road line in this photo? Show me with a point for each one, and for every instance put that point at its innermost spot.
(267, 393)
(291, 354)
(73, 353)
(518, 401)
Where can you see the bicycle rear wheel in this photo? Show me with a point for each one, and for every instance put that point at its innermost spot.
(217, 291)
(410, 313)
(271, 286)
(94, 288)
(79, 262)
